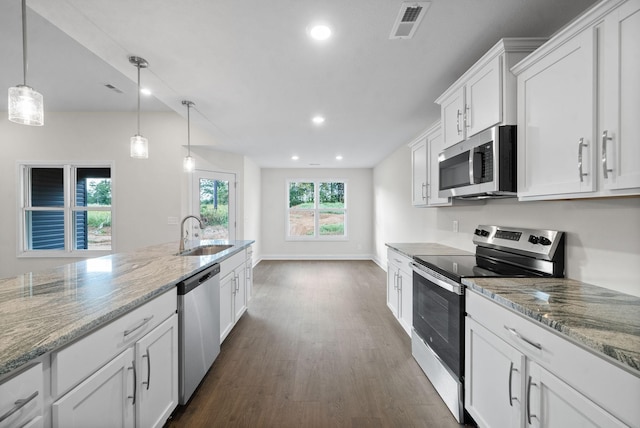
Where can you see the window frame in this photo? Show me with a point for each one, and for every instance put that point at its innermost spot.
(316, 210)
(69, 208)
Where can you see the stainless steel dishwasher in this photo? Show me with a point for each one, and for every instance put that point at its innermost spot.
(199, 325)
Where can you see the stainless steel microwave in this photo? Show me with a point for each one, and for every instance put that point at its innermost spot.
(483, 166)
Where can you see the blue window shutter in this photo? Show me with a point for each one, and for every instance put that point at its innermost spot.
(47, 227)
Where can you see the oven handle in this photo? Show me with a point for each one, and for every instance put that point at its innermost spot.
(439, 280)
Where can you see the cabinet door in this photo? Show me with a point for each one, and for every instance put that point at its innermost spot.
(419, 173)
(435, 145)
(405, 288)
(157, 363)
(552, 403)
(484, 96)
(105, 399)
(392, 287)
(452, 109)
(556, 109)
(493, 378)
(21, 399)
(227, 289)
(620, 151)
(240, 293)
(249, 277)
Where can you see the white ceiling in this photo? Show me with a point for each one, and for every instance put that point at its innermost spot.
(255, 76)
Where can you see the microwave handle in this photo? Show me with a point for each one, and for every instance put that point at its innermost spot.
(475, 166)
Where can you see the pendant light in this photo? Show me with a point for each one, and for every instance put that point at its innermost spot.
(139, 144)
(25, 104)
(188, 163)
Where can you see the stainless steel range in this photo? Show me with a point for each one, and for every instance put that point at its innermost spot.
(438, 297)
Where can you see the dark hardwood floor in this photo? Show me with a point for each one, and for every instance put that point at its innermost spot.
(318, 347)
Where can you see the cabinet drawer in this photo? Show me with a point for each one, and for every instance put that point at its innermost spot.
(232, 262)
(400, 260)
(74, 363)
(613, 388)
(25, 386)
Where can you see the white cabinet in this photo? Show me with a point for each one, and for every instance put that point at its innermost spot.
(122, 375)
(619, 128)
(400, 288)
(419, 172)
(106, 398)
(21, 399)
(519, 374)
(577, 107)
(486, 94)
(249, 274)
(424, 167)
(233, 292)
(157, 383)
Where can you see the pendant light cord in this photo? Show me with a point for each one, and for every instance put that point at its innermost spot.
(189, 128)
(24, 42)
(138, 66)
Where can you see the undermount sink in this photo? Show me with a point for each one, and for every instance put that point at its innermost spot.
(205, 250)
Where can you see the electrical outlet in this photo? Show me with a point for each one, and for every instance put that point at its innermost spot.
(455, 226)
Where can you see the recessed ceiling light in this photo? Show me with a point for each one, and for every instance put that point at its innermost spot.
(339, 157)
(145, 91)
(294, 157)
(320, 32)
(318, 120)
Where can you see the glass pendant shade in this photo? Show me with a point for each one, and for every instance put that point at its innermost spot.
(25, 106)
(139, 147)
(189, 164)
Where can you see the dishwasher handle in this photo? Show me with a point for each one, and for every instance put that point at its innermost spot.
(196, 280)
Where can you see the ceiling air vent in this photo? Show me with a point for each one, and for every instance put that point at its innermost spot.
(409, 17)
(113, 88)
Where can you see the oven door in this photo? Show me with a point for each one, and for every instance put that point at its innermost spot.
(438, 316)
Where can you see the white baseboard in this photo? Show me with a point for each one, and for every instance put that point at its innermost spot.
(318, 257)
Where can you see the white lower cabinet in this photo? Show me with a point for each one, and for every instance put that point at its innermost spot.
(136, 387)
(519, 375)
(21, 399)
(233, 292)
(105, 399)
(400, 288)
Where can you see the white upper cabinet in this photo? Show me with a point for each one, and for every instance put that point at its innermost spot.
(619, 129)
(419, 172)
(578, 104)
(424, 168)
(486, 94)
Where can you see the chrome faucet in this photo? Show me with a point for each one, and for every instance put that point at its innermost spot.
(183, 238)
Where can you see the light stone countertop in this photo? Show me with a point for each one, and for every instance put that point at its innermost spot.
(602, 320)
(427, 249)
(43, 311)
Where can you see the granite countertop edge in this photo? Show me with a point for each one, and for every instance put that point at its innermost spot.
(199, 263)
(626, 360)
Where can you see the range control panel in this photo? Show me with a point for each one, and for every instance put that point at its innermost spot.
(539, 242)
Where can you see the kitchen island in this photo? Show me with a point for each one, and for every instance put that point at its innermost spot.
(44, 311)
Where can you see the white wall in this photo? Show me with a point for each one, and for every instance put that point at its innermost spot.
(146, 192)
(252, 206)
(359, 216)
(603, 235)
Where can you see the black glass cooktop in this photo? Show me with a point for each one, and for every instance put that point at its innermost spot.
(458, 267)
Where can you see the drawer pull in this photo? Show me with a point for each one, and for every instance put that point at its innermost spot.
(19, 404)
(142, 323)
(524, 339)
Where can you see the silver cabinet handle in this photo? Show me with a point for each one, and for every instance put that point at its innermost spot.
(467, 116)
(135, 383)
(237, 282)
(605, 169)
(142, 323)
(458, 122)
(581, 144)
(511, 397)
(424, 195)
(524, 339)
(529, 415)
(399, 281)
(148, 357)
(395, 280)
(18, 404)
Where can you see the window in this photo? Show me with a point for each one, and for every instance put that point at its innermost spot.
(316, 210)
(65, 210)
